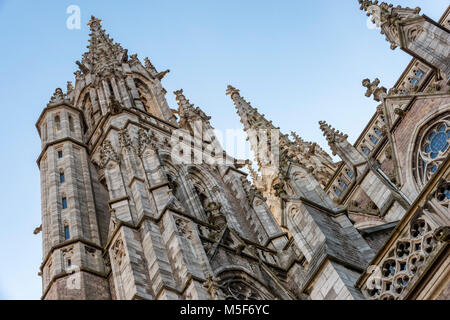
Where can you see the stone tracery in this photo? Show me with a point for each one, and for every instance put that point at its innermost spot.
(433, 149)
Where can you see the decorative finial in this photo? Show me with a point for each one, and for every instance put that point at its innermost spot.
(69, 87)
(58, 97)
(94, 24)
(181, 98)
(373, 89)
(149, 66)
(187, 111)
(332, 135)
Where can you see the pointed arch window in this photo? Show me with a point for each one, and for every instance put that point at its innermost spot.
(350, 173)
(414, 82)
(66, 233)
(44, 132)
(71, 127)
(419, 74)
(378, 132)
(434, 149)
(64, 202)
(342, 185)
(147, 98)
(62, 177)
(337, 191)
(373, 139)
(57, 123)
(365, 150)
(111, 90)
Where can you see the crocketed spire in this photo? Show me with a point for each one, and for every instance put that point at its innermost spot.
(187, 112)
(306, 154)
(333, 136)
(103, 52)
(250, 117)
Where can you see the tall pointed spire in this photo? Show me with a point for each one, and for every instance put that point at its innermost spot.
(103, 52)
(187, 111)
(306, 154)
(250, 117)
(193, 118)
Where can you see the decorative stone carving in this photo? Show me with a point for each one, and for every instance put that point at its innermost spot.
(107, 153)
(442, 234)
(406, 260)
(215, 215)
(373, 89)
(213, 287)
(125, 140)
(443, 193)
(58, 97)
(115, 107)
(400, 112)
(183, 228)
(118, 252)
(240, 290)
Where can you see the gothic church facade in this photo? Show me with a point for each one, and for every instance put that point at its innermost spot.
(123, 218)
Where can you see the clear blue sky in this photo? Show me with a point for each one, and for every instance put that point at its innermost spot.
(298, 61)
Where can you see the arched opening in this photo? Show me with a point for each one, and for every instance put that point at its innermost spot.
(147, 98)
(71, 126)
(432, 148)
(57, 123)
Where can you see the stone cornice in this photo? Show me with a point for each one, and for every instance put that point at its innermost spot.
(63, 105)
(59, 141)
(65, 244)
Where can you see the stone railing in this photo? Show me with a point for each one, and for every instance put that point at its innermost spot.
(417, 242)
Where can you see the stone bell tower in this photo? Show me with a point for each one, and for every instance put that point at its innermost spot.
(126, 214)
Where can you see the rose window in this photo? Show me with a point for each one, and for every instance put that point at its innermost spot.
(434, 148)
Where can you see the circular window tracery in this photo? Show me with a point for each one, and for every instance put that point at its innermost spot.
(433, 150)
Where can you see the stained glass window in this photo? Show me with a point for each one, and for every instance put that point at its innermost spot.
(434, 149)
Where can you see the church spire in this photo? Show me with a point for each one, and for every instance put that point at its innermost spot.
(307, 154)
(193, 118)
(187, 111)
(250, 117)
(103, 52)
